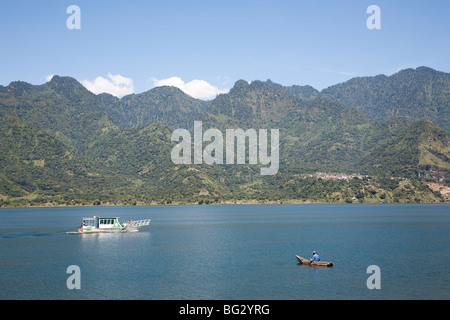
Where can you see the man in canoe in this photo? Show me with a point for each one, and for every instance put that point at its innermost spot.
(315, 257)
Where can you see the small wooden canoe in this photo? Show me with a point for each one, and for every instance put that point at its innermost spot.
(314, 263)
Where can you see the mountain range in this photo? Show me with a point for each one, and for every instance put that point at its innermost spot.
(369, 139)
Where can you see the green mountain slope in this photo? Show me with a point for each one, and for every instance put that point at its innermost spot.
(166, 105)
(61, 144)
(420, 149)
(34, 164)
(62, 108)
(421, 93)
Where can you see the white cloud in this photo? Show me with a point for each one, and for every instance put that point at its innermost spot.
(199, 89)
(116, 85)
(49, 77)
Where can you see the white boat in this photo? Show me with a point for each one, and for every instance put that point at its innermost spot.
(110, 225)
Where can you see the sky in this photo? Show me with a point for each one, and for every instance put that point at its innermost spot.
(204, 47)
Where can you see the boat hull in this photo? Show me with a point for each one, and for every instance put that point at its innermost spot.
(314, 263)
(116, 227)
(96, 230)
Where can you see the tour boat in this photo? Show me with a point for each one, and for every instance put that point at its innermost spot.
(108, 225)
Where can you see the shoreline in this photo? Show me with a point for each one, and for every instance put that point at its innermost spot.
(251, 202)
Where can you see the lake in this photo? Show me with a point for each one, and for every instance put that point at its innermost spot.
(222, 252)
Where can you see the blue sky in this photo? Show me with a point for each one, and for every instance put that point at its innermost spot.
(136, 45)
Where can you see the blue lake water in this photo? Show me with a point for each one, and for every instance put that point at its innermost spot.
(229, 252)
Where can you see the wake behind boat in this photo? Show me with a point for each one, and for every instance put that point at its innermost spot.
(110, 225)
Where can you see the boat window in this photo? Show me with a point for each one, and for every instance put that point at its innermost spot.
(88, 222)
(107, 221)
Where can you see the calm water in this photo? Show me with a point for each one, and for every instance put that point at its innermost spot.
(229, 252)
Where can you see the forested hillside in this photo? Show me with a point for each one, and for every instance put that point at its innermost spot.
(370, 139)
(415, 94)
